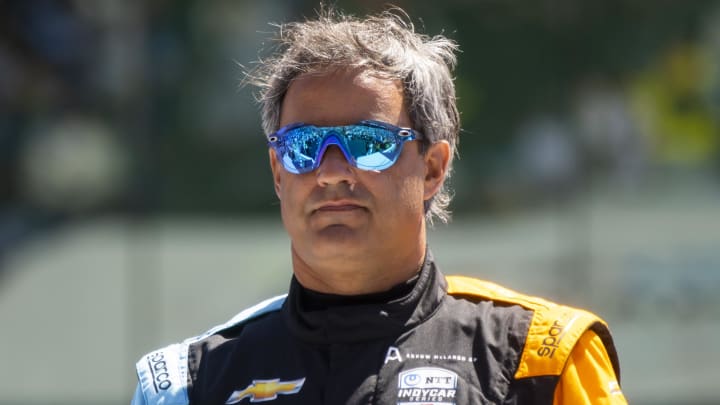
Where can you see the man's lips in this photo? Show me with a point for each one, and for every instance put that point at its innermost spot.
(338, 205)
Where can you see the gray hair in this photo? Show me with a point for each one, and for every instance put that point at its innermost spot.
(385, 44)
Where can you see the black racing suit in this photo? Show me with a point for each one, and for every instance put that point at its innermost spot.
(477, 344)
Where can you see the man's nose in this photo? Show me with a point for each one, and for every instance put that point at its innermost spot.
(334, 168)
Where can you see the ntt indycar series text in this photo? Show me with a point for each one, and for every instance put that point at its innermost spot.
(427, 385)
(442, 340)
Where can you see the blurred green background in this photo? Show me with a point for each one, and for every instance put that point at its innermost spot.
(137, 207)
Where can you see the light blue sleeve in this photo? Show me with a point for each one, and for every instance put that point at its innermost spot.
(163, 374)
(138, 398)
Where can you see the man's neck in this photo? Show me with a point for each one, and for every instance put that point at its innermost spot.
(360, 278)
(314, 300)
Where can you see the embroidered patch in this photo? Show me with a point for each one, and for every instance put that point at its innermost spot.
(427, 386)
(266, 390)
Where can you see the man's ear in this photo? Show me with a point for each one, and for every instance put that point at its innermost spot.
(437, 159)
(276, 169)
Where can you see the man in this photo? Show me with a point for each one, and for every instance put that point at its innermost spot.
(362, 127)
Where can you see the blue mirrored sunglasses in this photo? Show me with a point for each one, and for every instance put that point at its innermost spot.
(367, 145)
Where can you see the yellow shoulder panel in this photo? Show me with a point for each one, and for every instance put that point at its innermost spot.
(554, 329)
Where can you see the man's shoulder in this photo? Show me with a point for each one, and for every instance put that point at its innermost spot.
(163, 373)
(245, 316)
(552, 333)
(477, 289)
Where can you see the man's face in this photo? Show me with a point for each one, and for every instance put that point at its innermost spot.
(343, 220)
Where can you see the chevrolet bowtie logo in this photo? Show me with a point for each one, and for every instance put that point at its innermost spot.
(266, 390)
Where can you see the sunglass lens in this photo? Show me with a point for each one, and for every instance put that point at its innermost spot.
(372, 148)
(301, 146)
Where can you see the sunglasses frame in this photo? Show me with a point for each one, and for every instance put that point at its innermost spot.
(336, 135)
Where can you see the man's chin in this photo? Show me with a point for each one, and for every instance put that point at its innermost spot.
(338, 233)
(338, 240)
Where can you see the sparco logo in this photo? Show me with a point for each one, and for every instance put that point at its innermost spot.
(159, 371)
(427, 385)
(552, 341)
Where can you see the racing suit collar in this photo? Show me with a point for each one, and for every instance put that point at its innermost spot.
(347, 323)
